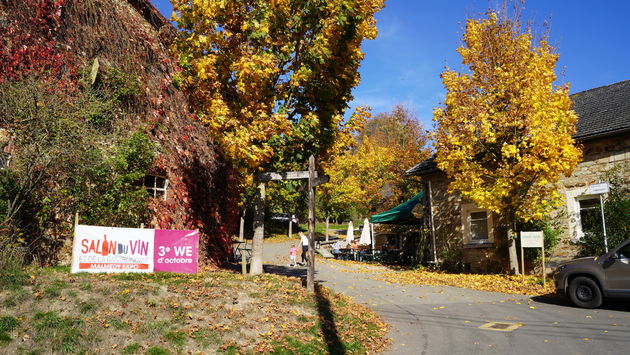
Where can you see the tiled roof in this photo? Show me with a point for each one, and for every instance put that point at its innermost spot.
(602, 111)
(424, 167)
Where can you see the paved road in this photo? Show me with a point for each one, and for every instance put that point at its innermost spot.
(447, 320)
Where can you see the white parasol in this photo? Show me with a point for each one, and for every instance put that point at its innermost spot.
(365, 233)
(350, 233)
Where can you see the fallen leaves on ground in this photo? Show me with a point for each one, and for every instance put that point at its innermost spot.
(514, 284)
(208, 312)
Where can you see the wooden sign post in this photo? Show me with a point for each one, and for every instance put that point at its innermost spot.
(259, 216)
(533, 240)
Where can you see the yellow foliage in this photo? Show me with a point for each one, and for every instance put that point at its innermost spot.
(258, 74)
(370, 177)
(504, 135)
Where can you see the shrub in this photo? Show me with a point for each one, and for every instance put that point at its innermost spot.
(64, 160)
(616, 207)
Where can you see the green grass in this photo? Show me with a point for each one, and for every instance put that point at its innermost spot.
(207, 337)
(176, 338)
(291, 345)
(156, 350)
(8, 323)
(124, 297)
(156, 329)
(117, 324)
(12, 279)
(59, 334)
(54, 290)
(86, 307)
(131, 349)
(320, 227)
(4, 338)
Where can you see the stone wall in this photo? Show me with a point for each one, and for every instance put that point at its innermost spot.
(453, 251)
(131, 35)
(600, 155)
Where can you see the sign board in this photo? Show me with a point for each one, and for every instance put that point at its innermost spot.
(532, 239)
(598, 189)
(109, 249)
(287, 175)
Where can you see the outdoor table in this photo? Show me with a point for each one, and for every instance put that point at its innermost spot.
(347, 254)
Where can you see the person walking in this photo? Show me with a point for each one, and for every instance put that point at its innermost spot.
(304, 242)
(293, 255)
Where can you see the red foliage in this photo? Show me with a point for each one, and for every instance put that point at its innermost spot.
(30, 47)
(52, 38)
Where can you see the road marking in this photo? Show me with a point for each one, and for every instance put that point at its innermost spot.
(501, 326)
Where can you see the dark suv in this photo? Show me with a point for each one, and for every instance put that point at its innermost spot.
(588, 280)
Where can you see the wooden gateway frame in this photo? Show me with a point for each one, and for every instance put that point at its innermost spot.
(256, 266)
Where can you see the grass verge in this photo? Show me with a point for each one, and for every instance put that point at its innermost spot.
(209, 312)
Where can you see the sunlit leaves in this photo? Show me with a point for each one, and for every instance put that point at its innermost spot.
(504, 132)
(370, 177)
(272, 78)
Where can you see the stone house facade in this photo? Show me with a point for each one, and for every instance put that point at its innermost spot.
(191, 185)
(472, 236)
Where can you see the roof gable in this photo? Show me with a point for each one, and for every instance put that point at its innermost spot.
(602, 111)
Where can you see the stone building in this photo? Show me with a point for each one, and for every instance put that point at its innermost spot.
(471, 236)
(191, 185)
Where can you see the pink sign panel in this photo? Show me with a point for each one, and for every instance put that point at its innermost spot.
(176, 251)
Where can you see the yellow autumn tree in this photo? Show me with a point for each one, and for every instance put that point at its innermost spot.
(272, 79)
(370, 177)
(504, 133)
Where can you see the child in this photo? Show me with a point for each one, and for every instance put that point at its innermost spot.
(293, 255)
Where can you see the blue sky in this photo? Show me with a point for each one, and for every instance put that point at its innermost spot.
(418, 38)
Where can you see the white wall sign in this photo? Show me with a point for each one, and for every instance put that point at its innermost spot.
(597, 189)
(532, 239)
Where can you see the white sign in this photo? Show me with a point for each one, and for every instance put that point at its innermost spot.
(532, 239)
(597, 189)
(109, 249)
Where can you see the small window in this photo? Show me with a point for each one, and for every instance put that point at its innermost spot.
(624, 252)
(590, 215)
(156, 185)
(479, 226)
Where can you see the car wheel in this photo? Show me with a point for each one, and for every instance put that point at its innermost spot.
(585, 293)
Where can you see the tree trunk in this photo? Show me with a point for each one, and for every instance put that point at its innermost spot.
(256, 266)
(310, 273)
(327, 219)
(512, 247)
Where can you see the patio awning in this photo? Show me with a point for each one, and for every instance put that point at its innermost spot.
(400, 214)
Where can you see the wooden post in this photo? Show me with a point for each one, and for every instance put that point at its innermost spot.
(243, 263)
(290, 227)
(543, 265)
(76, 218)
(141, 225)
(256, 266)
(241, 229)
(327, 218)
(310, 279)
(522, 263)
